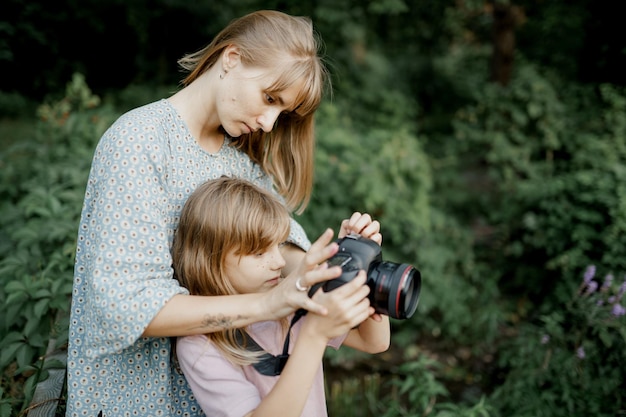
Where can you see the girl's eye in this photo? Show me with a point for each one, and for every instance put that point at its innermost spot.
(269, 99)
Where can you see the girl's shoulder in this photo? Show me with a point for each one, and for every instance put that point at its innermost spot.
(192, 340)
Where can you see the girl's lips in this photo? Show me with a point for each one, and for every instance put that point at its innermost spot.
(274, 281)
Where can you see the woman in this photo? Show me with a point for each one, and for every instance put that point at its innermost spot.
(245, 110)
(228, 242)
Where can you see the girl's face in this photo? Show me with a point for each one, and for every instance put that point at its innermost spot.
(243, 103)
(254, 273)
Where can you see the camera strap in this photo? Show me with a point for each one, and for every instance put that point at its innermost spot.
(268, 364)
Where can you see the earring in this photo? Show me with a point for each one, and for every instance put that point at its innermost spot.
(221, 76)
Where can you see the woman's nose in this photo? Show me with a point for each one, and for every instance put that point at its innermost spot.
(268, 119)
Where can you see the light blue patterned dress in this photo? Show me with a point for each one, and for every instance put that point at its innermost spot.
(144, 168)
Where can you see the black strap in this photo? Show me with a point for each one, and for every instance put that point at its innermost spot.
(268, 364)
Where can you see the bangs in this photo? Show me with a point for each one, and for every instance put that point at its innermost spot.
(263, 229)
(312, 77)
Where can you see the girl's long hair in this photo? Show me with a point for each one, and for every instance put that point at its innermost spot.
(288, 45)
(225, 216)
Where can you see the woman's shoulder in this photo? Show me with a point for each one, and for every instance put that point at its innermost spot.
(151, 123)
(147, 115)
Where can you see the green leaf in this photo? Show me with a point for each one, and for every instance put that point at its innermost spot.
(41, 307)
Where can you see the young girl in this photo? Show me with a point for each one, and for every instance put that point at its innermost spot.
(229, 242)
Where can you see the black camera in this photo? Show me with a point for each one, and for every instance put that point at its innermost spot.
(394, 288)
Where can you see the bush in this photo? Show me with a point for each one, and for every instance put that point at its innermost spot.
(570, 363)
(556, 158)
(41, 191)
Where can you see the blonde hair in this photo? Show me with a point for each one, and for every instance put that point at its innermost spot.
(221, 217)
(288, 44)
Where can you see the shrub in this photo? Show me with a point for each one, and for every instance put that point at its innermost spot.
(42, 184)
(570, 363)
(556, 158)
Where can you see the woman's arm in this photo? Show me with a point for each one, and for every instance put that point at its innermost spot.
(185, 315)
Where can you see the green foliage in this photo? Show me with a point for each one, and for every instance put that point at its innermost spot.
(41, 191)
(382, 171)
(412, 389)
(14, 105)
(570, 363)
(556, 159)
(500, 196)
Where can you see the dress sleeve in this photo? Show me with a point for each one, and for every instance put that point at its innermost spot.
(220, 387)
(298, 236)
(123, 254)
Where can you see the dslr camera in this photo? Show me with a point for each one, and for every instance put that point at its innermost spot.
(394, 288)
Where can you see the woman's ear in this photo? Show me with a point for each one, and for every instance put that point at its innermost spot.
(230, 57)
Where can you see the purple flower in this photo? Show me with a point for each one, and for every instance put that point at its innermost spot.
(545, 339)
(590, 272)
(580, 352)
(618, 310)
(592, 286)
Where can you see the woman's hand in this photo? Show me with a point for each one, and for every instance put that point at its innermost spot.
(361, 224)
(292, 292)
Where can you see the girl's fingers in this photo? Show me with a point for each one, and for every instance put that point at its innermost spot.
(361, 224)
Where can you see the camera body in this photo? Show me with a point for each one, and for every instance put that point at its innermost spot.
(394, 288)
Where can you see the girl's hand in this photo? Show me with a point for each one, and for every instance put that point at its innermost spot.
(348, 306)
(292, 293)
(361, 224)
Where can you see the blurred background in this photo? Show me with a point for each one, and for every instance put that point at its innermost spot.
(488, 137)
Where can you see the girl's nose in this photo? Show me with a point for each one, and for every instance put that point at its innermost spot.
(278, 262)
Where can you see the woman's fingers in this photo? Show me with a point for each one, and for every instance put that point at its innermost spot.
(292, 292)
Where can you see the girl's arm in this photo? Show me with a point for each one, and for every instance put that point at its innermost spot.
(347, 306)
(372, 335)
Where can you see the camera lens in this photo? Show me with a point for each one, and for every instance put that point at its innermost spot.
(395, 289)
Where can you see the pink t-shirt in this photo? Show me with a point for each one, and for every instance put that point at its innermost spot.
(224, 389)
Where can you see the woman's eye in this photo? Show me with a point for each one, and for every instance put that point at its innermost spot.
(269, 98)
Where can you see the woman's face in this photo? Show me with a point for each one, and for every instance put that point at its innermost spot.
(257, 272)
(243, 103)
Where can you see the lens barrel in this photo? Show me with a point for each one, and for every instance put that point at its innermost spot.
(394, 288)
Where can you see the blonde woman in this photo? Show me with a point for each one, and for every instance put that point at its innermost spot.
(245, 110)
(229, 242)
